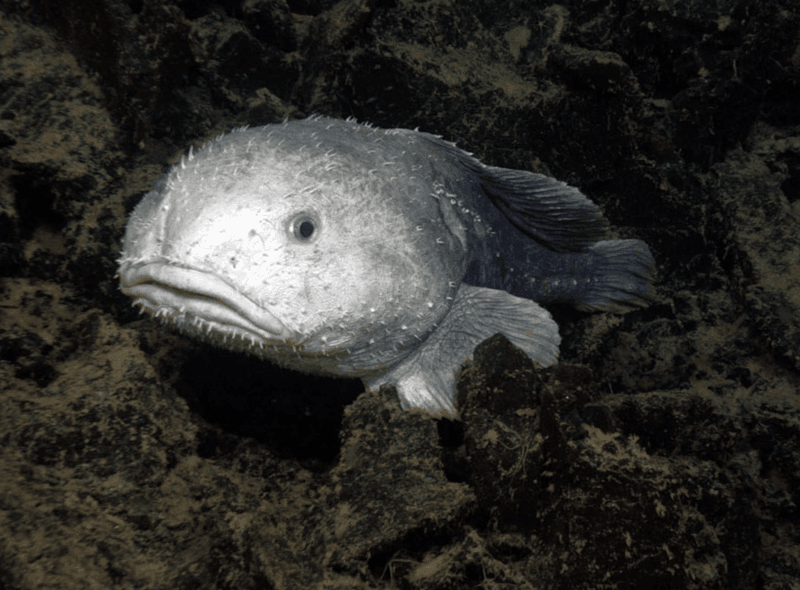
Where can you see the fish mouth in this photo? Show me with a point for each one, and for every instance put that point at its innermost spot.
(163, 289)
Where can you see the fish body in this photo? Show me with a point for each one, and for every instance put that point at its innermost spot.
(338, 248)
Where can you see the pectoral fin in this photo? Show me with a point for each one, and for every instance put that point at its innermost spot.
(426, 378)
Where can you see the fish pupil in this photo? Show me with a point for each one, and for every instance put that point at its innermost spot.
(305, 229)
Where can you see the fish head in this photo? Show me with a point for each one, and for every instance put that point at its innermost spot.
(318, 250)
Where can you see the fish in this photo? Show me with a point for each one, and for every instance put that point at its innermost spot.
(339, 248)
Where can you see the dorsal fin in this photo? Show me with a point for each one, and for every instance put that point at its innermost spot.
(555, 214)
(558, 216)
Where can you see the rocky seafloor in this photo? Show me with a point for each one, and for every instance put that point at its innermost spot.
(662, 452)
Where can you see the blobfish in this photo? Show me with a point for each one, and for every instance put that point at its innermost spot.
(339, 248)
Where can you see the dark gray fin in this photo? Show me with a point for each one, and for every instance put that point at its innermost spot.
(555, 214)
(426, 378)
(623, 272)
(558, 216)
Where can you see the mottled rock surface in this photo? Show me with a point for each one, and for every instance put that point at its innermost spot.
(663, 452)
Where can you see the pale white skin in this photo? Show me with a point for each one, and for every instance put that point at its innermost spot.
(310, 265)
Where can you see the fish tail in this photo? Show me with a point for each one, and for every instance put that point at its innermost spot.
(622, 275)
(610, 275)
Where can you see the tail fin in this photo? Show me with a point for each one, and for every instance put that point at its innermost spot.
(623, 272)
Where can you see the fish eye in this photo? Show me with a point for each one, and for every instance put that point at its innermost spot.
(304, 226)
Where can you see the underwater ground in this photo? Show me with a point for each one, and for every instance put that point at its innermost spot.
(662, 452)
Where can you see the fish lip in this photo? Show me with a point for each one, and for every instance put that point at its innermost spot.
(182, 290)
